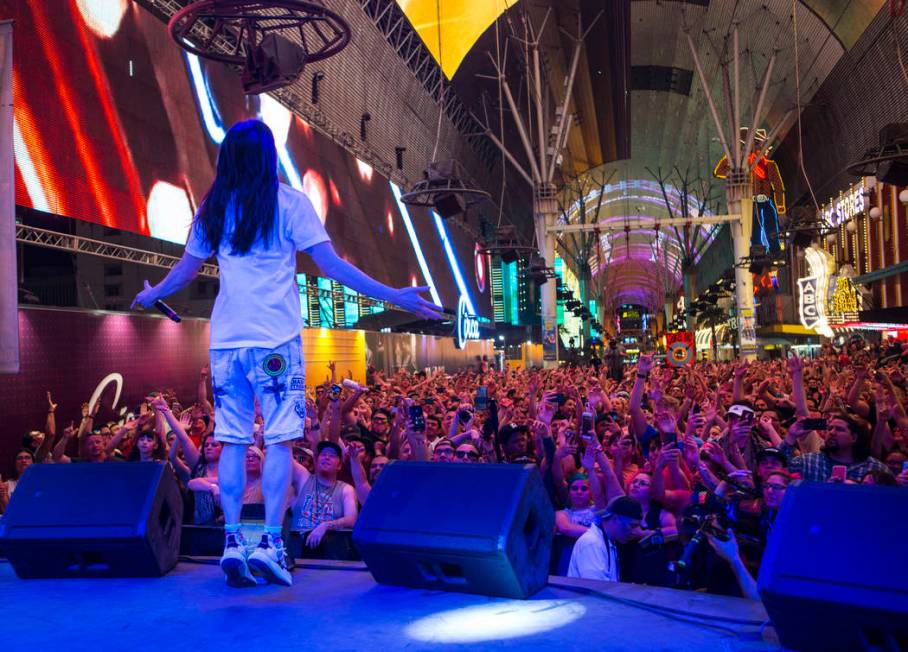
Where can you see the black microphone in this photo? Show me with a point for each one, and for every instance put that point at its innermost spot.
(164, 309)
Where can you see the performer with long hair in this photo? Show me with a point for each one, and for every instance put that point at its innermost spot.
(255, 225)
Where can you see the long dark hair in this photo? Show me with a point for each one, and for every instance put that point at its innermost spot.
(247, 176)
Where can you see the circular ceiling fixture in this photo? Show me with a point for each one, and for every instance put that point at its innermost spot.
(270, 40)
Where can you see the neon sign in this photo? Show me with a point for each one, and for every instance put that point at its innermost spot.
(845, 303)
(850, 204)
(813, 290)
(466, 326)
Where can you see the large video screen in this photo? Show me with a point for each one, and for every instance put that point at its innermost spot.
(117, 125)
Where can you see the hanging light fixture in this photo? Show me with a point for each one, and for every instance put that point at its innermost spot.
(445, 185)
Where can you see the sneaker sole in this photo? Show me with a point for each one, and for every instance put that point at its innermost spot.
(234, 572)
(267, 571)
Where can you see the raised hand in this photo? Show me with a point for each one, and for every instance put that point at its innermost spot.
(797, 430)
(690, 452)
(158, 403)
(146, 297)
(408, 298)
(565, 450)
(668, 456)
(795, 364)
(51, 406)
(205, 371)
(645, 364)
(588, 459)
(715, 453)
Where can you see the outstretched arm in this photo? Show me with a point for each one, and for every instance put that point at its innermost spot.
(177, 278)
(335, 267)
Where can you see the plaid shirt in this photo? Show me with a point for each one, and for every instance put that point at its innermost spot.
(817, 467)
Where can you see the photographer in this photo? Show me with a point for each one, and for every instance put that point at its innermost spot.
(595, 556)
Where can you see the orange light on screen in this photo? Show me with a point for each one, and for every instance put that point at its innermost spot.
(335, 193)
(390, 223)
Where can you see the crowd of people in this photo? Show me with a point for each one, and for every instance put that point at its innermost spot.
(642, 461)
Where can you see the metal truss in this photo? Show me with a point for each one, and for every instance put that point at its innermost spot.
(79, 245)
(313, 291)
(393, 24)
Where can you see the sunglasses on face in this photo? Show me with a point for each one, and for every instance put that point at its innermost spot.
(462, 455)
(444, 451)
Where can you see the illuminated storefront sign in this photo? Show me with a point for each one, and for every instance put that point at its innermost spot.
(850, 204)
(466, 325)
(845, 301)
(812, 291)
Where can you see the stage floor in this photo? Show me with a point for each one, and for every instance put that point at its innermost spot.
(336, 606)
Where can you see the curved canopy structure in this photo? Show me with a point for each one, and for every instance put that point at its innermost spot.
(640, 50)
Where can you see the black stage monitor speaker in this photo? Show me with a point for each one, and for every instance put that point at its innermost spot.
(93, 520)
(835, 572)
(473, 528)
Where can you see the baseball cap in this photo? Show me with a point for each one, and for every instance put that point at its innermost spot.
(621, 506)
(771, 452)
(740, 410)
(322, 445)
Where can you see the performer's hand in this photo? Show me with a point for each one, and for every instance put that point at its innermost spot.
(315, 536)
(146, 297)
(408, 298)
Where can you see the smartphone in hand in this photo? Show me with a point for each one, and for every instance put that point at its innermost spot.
(839, 472)
(586, 423)
(417, 418)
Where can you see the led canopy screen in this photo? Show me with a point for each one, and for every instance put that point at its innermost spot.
(114, 124)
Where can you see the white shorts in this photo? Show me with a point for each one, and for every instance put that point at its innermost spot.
(276, 377)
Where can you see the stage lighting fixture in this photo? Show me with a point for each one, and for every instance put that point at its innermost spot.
(399, 157)
(509, 256)
(362, 125)
(449, 204)
(317, 76)
(447, 188)
(274, 63)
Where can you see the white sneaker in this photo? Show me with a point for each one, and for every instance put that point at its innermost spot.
(233, 562)
(269, 561)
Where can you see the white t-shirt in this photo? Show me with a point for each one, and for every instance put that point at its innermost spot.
(258, 304)
(593, 558)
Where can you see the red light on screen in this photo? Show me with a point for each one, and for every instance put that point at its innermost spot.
(390, 223)
(335, 194)
(314, 187)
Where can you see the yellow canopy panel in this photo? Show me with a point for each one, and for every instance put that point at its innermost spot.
(462, 23)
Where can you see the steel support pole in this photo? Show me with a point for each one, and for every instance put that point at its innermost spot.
(740, 200)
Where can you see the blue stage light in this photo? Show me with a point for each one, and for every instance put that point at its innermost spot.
(452, 261)
(405, 216)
